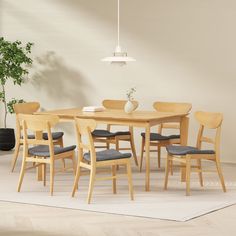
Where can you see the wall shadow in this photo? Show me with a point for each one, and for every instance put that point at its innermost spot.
(189, 34)
(1, 34)
(60, 83)
(28, 19)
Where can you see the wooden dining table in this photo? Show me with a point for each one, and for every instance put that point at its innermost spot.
(141, 119)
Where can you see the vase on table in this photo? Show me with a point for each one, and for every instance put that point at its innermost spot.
(129, 107)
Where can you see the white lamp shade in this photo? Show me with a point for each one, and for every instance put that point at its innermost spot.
(118, 59)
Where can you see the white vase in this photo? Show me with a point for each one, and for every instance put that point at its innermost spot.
(129, 107)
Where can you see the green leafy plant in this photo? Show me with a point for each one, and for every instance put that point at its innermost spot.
(14, 60)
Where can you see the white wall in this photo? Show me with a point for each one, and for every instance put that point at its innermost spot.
(185, 51)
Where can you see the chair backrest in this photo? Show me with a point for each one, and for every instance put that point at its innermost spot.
(26, 107)
(84, 129)
(209, 120)
(117, 104)
(38, 124)
(176, 107)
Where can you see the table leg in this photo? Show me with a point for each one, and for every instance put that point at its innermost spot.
(147, 152)
(184, 124)
(184, 130)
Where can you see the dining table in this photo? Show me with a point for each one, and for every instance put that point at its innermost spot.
(138, 118)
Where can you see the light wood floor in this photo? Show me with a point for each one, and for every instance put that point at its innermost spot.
(30, 220)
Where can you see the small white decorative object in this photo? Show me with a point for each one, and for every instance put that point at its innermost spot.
(93, 109)
(129, 106)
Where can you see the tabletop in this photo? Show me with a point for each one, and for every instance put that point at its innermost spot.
(141, 116)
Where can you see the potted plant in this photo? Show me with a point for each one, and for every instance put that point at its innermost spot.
(14, 60)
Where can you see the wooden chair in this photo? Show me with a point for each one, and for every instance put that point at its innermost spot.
(30, 108)
(185, 154)
(108, 137)
(92, 160)
(43, 151)
(158, 139)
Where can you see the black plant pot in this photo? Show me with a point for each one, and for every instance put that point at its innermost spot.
(7, 139)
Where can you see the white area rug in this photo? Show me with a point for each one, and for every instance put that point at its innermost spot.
(169, 205)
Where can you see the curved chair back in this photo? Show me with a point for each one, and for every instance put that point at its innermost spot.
(177, 107)
(117, 104)
(172, 107)
(209, 120)
(85, 126)
(26, 107)
(37, 124)
(84, 129)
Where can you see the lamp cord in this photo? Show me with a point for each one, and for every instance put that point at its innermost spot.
(118, 22)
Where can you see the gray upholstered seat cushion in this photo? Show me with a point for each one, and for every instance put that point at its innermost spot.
(106, 134)
(184, 150)
(102, 133)
(122, 133)
(43, 150)
(110, 154)
(159, 137)
(55, 135)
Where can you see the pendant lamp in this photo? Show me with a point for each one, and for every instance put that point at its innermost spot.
(119, 57)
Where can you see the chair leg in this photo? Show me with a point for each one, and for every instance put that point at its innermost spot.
(114, 179)
(77, 176)
(44, 174)
(159, 156)
(63, 163)
(51, 177)
(117, 149)
(34, 163)
(133, 150)
(171, 167)
(142, 151)
(16, 153)
(199, 164)
(91, 184)
(167, 171)
(183, 173)
(22, 173)
(60, 143)
(108, 144)
(117, 144)
(129, 175)
(188, 169)
(73, 163)
(218, 166)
